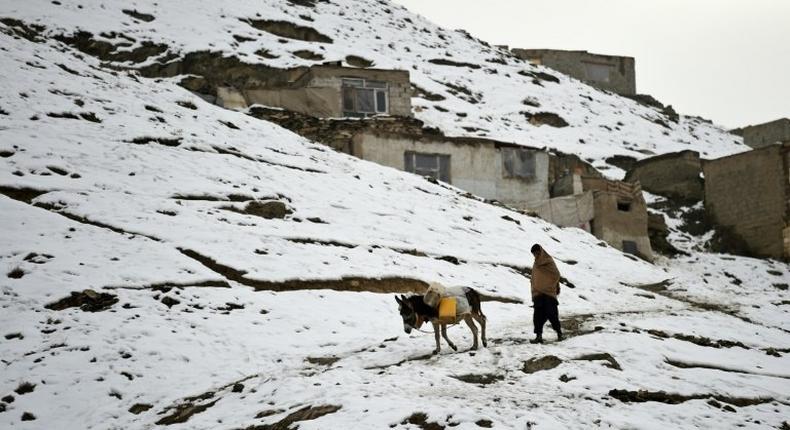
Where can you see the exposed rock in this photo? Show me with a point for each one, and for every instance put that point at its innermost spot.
(272, 209)
(237, 387)
(25, 388)
(627, 396)
(658, 232)
(482, 379)
(16, 273)
(87, 300)
(169, 301)
(624, 162)
(542, 363)
(446, 62)
(420, 419)
(139, 408)
(307, 54)
(106, 51)
(357, 61)
(27, 416)
(484, 423)
(545, 118)
(289, 30)
(305, 414)
(166, 141)
(184, 412)
(138, 15)
(602, 356)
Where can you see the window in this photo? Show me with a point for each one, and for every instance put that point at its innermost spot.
(518, 163)
(436, 166)
(629, 247)
(536, 61)
(362, 97)
(624, 206)
(597, 72)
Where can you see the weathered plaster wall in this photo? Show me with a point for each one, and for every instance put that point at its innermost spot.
(476, 167)
(762, 135)
(675, 175)
(622, 78)
(747, 193)
(614, 225)
(317, 91)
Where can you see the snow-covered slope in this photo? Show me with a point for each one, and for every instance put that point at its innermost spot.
(483, 95)
(137, 189)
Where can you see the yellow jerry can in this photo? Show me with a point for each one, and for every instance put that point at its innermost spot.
(447, 310)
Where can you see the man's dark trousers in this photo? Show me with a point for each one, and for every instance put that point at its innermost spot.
(545, 310)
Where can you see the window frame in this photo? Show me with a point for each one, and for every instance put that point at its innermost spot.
(440, 172)
(353, 87)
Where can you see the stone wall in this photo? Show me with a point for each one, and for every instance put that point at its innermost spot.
(746, 195)
(476, 165)
(676, 175)
(578, 64)
(762, 135)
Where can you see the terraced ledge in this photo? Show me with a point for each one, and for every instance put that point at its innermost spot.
(385, 285)
(641, 396)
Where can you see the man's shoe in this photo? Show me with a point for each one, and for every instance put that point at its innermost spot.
(560, 337)
(538, 339)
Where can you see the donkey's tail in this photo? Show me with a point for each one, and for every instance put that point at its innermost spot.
(474, 301)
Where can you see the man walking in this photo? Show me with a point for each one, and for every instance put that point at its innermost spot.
(545, 289)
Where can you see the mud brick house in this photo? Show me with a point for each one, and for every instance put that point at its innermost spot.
(512, 174)
(326, 91)
(607, 72)
(615, 211)
(769, 133)
(676, 175)
(747, 196)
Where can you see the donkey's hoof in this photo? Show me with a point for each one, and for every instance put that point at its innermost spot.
(474, 348)
(455, 348)
(485, 344)
(435, 351)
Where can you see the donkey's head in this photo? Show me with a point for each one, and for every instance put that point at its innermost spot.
(411, 320)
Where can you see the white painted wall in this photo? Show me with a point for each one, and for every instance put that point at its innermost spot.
(474, 167)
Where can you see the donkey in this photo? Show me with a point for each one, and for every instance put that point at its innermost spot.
(415, 312)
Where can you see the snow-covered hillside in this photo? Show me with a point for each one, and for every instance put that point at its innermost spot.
(486, 91)
(243, 275)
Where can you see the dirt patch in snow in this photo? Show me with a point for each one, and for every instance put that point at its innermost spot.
(420, 419)
(86, 300)
(272, 209)
(541, 363)
(480, 379)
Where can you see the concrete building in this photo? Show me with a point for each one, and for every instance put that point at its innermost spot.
(676, 175)
(607, 72)
(769, 133)
(512, 174)
(618, 214)
(747, 196)
(326, 91)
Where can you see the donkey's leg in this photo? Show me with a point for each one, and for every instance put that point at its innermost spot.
(444, 335)
(470, 322)
(436, 335)
(481, 319)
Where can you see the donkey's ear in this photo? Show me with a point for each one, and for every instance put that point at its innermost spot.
(397, 299)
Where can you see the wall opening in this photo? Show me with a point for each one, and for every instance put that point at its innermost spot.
(629, 247)
(436, 166)
(362, 97)
(623, 206)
